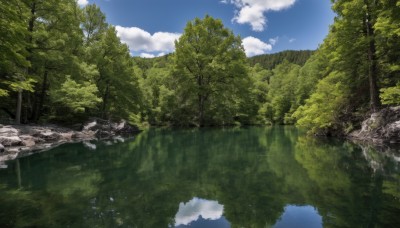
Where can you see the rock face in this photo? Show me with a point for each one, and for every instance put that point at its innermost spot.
(382, 127)
(17, 140)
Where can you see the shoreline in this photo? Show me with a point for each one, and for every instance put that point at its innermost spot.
(23, 140)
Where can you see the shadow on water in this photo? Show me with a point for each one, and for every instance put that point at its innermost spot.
(235, 177)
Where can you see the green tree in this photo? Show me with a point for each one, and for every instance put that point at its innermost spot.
(281, 96)
(210, 71)
(117, 83)
(94, 23)
(77, 97)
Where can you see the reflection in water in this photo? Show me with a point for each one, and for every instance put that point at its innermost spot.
(299, 216)
(198, 208)
(255, 174)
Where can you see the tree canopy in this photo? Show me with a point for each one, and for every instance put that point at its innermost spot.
(63, 63)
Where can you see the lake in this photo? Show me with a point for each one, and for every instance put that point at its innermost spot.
(232, 177)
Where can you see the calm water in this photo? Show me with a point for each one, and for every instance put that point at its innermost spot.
(244, 177)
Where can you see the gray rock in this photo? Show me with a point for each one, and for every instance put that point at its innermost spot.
(382, 127)
(10, 140)
(27, 140)
(1, 148)
(48, 135)
(8, 131)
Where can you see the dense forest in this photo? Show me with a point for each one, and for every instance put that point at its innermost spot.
(270, 61)
(61, 63)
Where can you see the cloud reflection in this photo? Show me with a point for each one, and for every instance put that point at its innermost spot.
(192, 210)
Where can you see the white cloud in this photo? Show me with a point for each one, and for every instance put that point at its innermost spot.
(254, 46)
(273, 41)
(149, 55)
(252, 11)
(192, 210)
(142, 41)
(292, 40)
(83, 2)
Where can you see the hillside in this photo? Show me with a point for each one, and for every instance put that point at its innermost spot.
(270, 61)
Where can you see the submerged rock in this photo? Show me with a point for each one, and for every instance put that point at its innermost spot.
(382, 127)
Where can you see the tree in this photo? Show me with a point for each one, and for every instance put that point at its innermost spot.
(12, 51)
(94, 23)
(210, 70)
(77, 97)
(116, 81)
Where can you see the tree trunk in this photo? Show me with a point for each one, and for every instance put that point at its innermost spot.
(39, 104)
(200, 101)
(105, 100)
(372, 70)
(201, 110)
(19, 108)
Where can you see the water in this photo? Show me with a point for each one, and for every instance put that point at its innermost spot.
(242, 177)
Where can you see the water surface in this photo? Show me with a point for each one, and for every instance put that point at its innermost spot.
(236, 177)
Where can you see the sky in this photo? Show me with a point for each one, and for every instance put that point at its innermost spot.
(150, 27)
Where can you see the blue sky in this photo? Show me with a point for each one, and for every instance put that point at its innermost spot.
(150, 27)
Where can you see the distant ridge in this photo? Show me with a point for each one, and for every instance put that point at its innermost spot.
(269, 61)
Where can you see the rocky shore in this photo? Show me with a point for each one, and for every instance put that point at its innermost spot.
(21, 140)
(381, 128)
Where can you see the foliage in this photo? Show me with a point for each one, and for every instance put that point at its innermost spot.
(391, 95)
(210, 74)
(55, 55)
(77, 97)
(319, 114)
(270, 61)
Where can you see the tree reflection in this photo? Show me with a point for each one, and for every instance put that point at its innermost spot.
(253, 172)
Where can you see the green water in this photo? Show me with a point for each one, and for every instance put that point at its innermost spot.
(244, 177)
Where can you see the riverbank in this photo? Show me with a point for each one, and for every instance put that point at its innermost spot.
(21, 140)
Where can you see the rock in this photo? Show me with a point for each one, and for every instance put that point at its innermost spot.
(125, 128)
(107, 129)
(47, 135)
(10, 140)
(8, 131)
(382, 127)
(83, 135)
(90, 125)
(66, 136)
(28, 140)
(17, 140)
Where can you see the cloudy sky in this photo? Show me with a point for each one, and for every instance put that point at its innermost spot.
(150, 27)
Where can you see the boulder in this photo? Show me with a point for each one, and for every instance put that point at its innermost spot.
(382, 127)
(125, 128)
(28, 140)
(66, 136)
(107, 129)
(10, 140)
(47, 135)
(8, 131)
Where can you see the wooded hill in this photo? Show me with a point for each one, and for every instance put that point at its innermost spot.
(270, 61)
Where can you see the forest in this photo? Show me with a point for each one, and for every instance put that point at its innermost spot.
(60, 63)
